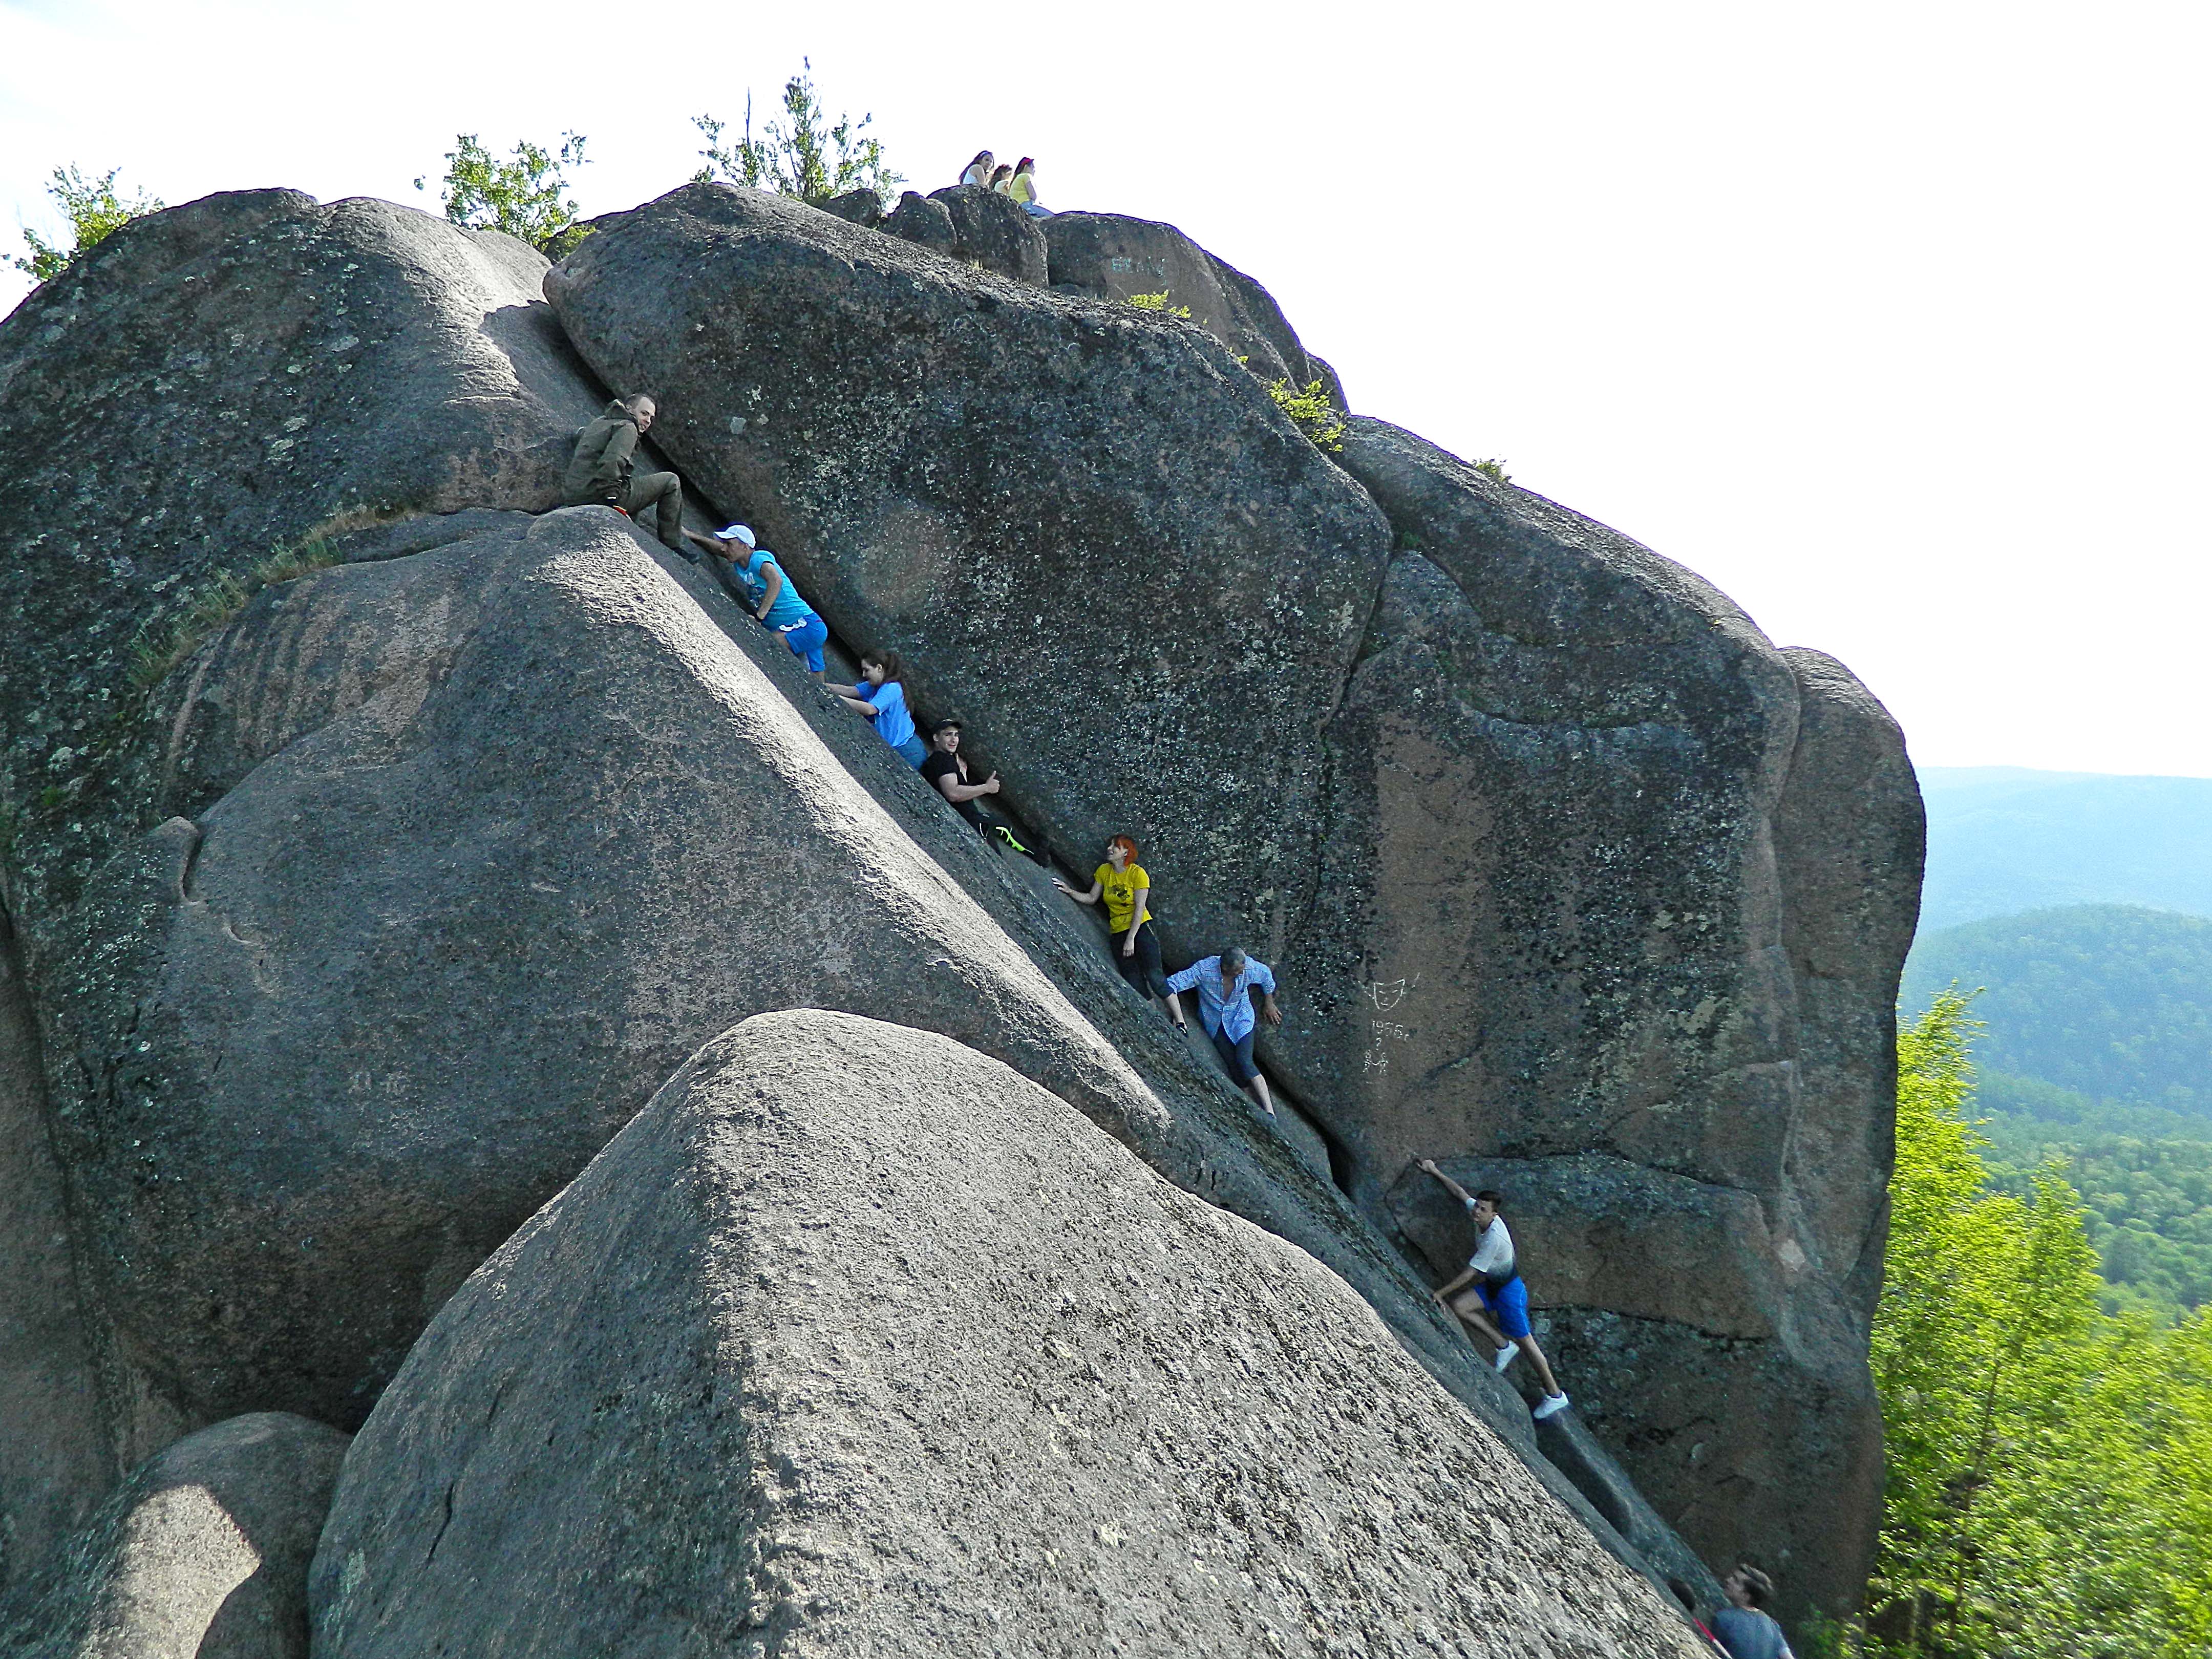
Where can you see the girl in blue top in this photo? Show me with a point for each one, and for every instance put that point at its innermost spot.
(880, 697)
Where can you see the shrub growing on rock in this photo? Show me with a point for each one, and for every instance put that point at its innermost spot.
(802, 159)
(521, 197)
(94, 210)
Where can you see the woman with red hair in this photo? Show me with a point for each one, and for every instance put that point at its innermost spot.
(1122, 882)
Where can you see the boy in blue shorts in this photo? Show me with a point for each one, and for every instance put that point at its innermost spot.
(1491, 1285)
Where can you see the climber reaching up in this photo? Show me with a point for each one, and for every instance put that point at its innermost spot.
(753, 573)
(880, 696)
(1490, 1283)
(1223, 984)
(602, 473)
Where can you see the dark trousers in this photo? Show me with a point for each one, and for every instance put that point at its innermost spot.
(1237, 1055)
(1141, 968)
(655, 500)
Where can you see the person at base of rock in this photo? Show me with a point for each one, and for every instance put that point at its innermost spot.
(1491, 1284)
(1744, 1628)
(880, 695)
(1126, 887)
(948, 771)
(1023, 188)
(774, 602)
(1224, 985)
(602, 473)
(979, 170)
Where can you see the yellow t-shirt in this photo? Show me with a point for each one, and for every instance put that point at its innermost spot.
(1119, 887)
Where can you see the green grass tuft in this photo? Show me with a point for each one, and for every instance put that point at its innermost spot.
(158, 651)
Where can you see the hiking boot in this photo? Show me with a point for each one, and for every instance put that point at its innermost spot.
(1551, 1406)
(1506, 1355)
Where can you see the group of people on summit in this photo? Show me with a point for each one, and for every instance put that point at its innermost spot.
(1018, 181)
(1488, 1295)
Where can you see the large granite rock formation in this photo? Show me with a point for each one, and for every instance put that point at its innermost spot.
(855, 1342)
(1619, 891)
(1091, 533)
(203, 1553)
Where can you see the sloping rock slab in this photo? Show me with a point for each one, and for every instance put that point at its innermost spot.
(1112, 257)
(1089, 533)
(857, 1343)
(202, 1554)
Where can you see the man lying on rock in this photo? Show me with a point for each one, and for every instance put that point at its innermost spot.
(1223, 984)
(1490, 1283)
(602, 473)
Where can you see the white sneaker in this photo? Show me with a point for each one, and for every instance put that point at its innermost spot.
(1551, 1406)
(1506, 1355)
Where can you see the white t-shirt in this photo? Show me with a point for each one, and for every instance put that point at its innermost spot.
(1493, 1252)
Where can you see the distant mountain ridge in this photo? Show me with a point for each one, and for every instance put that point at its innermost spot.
(2112, 1002)
(2003, 839)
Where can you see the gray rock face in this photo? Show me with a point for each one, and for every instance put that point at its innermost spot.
(924, 221)
(213, 380)
(857, 1342)
(991, 230)
(202, 1554)
(1110, 256)
(859, 207)
(1088, 531)
(1625, 906)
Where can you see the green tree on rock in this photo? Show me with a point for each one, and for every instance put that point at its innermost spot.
(94, 212)
(522, 197)
(799, 157)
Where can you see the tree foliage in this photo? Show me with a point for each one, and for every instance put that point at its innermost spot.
(1310, 411)
(800, 156)
(94, 212)
(2049, 1467)
(522, 197)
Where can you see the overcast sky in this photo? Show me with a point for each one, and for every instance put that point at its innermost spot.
(1891, 320)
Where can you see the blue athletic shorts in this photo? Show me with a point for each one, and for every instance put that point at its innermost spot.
(1508, 1306)
(806, 640)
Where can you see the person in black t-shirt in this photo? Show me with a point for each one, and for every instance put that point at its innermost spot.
(948, 774)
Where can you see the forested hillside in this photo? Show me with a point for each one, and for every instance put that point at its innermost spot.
(2003, 839)
(2049, 1483)
(2110, 1001)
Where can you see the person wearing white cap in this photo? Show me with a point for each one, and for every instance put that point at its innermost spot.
(767, 593)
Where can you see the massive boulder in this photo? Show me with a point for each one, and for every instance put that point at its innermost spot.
(1109, 256)
(856, 1342)
(245, 371)
(1617, 898)
(203, 1553)
(1087, 530)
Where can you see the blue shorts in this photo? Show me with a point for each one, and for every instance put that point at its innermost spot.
(1508, 1306)
(806, 640)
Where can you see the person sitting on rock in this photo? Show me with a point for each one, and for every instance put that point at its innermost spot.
(1492, 1283)
(1224, 1008)
(601, 472)
(1001, 177)
(1125, 886)
(979, 170)
(878, 696)
(1744, 1628)
(948, 770)
(774, 602)
(1023, 188)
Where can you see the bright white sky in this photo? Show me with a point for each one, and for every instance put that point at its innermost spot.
(1892, 320)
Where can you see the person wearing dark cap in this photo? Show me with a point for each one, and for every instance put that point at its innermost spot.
(1744, 1627)
(1223, 984)
(603, 472)
(759, 582)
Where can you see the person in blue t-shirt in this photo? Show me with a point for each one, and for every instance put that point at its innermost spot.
(759, 581)
(880, 695)
(1223, 984)
(1744, 1628)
